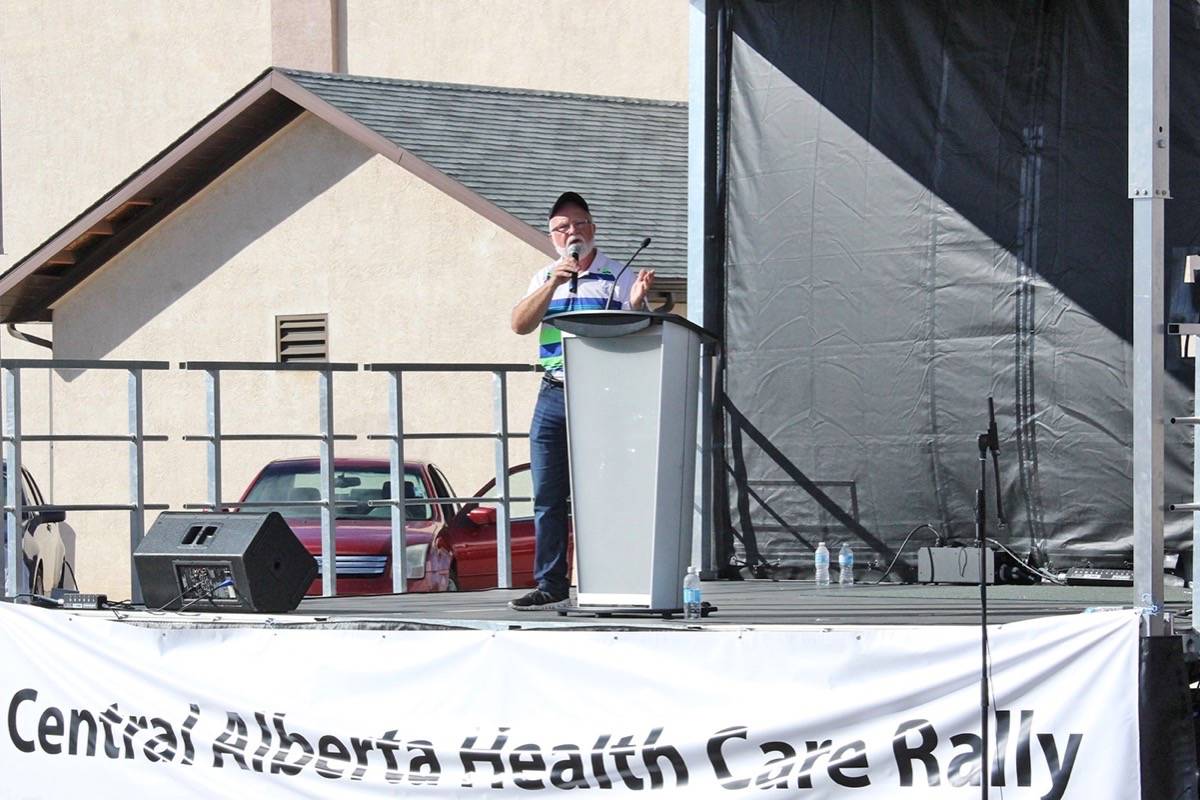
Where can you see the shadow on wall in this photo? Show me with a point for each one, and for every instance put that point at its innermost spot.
(226, 218)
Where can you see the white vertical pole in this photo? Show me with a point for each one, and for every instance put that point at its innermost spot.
(698, 142)
(328, 509)
(503, 529)
(213, 398)
(399, 512)
(137, 479)
(1149, 113)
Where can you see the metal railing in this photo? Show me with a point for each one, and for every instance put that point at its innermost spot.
(14, 438)
(216, 435)
(396, 436)
(501, 435)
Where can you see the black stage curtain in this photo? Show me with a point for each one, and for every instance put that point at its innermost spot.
(927, 205)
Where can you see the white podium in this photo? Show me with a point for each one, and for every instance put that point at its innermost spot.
(631, 397)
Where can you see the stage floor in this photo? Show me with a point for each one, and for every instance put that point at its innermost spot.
(754, 603)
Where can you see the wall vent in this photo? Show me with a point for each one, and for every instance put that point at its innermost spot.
(302, 337)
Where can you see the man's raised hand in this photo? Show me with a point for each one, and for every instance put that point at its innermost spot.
(641, 288)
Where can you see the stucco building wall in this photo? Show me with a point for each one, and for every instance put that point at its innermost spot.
(311, 222)
(90, 91)
(633, 48)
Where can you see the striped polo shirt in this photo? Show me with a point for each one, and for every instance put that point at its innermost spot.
(594, 286)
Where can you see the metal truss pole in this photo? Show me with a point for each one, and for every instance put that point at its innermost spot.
(1149, 137)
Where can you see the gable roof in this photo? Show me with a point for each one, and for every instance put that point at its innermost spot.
(505, 153)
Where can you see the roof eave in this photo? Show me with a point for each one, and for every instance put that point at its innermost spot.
(31, 286)
(130, 192)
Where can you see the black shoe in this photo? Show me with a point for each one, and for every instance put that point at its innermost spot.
(537, 600)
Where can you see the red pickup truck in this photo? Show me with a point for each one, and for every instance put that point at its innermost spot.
(449, 547)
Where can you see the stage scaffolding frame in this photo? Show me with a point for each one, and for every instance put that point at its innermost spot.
(1148, 162)
(1149, 189)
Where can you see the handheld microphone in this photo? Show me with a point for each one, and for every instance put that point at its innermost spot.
(574, 251)
(644, 245)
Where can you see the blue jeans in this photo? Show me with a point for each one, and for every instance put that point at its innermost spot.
(551, 490)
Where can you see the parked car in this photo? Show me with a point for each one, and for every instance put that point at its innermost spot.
(449, 547)
(43, 549)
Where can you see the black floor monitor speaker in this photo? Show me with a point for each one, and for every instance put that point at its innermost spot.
(223, 562)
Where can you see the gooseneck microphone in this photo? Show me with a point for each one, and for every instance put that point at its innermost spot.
(644, 245)
(575, 251)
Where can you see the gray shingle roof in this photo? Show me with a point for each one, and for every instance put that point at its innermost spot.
(521, 149)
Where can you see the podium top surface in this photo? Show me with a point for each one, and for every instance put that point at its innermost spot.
(611, 323)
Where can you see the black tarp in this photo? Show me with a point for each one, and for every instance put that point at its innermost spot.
(927, 205)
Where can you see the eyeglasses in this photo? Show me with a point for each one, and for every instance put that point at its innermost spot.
(577, 224)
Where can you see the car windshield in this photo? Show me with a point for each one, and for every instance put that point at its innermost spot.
(355, 486)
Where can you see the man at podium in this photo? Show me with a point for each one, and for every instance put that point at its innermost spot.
(581, 279)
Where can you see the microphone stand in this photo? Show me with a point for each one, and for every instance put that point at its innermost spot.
(980, 537)
(620, 272)
(988, 441)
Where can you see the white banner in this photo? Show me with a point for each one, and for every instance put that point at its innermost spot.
(100, 708)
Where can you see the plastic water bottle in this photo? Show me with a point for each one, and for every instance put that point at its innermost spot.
(691, 594)
(822, 563)
(846, 565)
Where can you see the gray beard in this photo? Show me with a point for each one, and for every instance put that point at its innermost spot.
(588, 248)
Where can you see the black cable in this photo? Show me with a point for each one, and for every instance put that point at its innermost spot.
(179, 596)
(1040, 573)
(209, 594)
(70, 569)
(117, 606)
(128, 604)
(937, 538)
